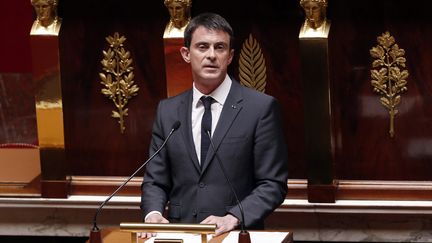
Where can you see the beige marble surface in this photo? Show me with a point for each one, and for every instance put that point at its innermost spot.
(348, 220)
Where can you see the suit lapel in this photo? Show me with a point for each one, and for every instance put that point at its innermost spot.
(184, 113)
(230, 110)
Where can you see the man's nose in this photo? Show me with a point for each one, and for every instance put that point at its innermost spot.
(211, 54)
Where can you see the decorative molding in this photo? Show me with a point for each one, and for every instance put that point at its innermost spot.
(252, 68)
(322, 193)
(118, 77)
(388, 76)
(384, 190)
(104, 185)
(297, 188)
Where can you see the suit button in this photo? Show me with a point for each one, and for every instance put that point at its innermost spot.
(201, 184)
(194, 213)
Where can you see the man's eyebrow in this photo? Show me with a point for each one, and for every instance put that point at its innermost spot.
(201, 43)
(221, 43)
(208, 43)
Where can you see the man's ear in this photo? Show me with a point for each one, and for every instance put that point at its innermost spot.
(184, 51)
(231, 55)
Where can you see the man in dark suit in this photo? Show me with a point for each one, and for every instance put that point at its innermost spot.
(245, 128)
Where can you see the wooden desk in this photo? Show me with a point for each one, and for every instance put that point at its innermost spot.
(114, 235)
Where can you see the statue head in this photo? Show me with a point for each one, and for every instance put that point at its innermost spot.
(315, 11)
(46, 11)
(179, 11)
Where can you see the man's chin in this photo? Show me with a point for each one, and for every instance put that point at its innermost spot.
(211, 76)
(216, 77)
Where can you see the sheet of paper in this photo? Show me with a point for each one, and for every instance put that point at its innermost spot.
(257, 237)
(187, 238)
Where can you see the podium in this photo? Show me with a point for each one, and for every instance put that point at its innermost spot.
(202, 229)
(124, 235)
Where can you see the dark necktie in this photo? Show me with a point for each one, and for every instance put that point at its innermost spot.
(206, 124)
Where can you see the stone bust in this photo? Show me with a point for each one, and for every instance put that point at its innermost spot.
(47, 22)
(179, 11)
(316, 24)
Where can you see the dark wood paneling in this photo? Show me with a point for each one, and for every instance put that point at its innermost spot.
(17, 110)
(15, 24)
(94, 143)
(275, 25)
(364, 149)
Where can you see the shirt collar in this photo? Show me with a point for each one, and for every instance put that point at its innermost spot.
(219, 94)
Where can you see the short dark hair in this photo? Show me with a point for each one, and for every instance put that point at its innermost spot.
(210, 21)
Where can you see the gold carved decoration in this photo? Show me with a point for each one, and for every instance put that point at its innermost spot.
(252, 69)
(388, 76)
(118, 77)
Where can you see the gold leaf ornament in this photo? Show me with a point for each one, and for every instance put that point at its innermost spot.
(252, 69)
(388, 76)
(117, 77)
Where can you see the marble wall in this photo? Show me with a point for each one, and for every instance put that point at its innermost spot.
(376, 221)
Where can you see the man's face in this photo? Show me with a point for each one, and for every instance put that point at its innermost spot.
(177, 13)
(313, 12)
(44, 11)
(209, 55)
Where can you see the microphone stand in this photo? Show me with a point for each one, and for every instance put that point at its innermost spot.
(95, 236)
(244, 236)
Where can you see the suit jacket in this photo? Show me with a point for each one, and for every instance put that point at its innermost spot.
(249, 142)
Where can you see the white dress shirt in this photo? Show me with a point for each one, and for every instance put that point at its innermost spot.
(219, 95)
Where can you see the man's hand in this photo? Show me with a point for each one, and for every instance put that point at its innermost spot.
(223, 224)
(152, 218)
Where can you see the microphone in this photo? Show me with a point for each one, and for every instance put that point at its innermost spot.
(244, 234)
(95, 233)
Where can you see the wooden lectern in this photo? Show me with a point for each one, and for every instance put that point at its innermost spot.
(202, 229)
